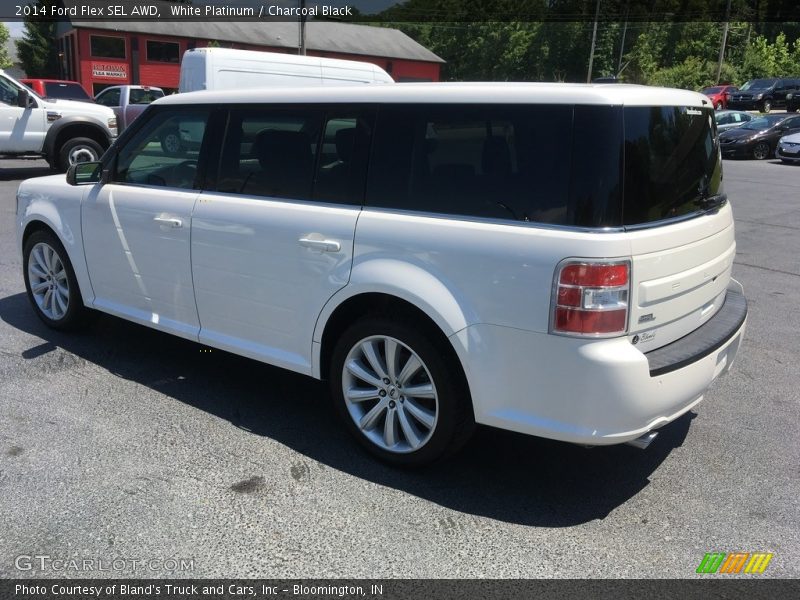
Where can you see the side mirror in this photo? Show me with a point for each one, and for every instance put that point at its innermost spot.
(24, 99)
(85, 173)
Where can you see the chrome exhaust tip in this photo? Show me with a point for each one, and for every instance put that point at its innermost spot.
(643, 441)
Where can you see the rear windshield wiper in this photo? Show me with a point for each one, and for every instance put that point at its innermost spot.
(714, 201)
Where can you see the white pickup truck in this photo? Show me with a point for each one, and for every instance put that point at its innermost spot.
(62, 131)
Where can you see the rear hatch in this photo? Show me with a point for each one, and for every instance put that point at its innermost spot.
(681, 227)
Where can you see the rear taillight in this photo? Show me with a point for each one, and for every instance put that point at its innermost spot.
(590, 298)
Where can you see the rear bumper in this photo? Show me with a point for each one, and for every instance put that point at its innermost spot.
(597, 392)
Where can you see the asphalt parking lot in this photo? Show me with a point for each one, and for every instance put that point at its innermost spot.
(124, 443)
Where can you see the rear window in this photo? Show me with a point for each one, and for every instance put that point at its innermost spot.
(671, 162)
(144, 96)
(69, 91)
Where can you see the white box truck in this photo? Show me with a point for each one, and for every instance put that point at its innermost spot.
(228, 69)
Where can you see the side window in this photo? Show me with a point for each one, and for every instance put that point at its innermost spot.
(502, 162)
(8, 92)
(729, 118)
(270, 152)
(109, 97)
(165, 151)
(343, 156)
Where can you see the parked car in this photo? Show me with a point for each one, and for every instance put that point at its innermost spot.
(729, 119)
(792, 101)
(764, 94)
(758, 138)
(788, 148)
(128, 101)
(438, 263)
(62, 131)
(53, 89)
(719, 95)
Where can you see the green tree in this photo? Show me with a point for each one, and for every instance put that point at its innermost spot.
(5, 60)
(37, 50)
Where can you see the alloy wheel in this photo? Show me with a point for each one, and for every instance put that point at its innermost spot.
(390, 394)
(48, 280)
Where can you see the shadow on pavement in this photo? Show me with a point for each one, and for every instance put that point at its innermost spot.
(36, 169)
(504, 476)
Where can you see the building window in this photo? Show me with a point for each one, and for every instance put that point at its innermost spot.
(168, 52)
(107, 47)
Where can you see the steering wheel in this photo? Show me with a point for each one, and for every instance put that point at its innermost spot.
(184, 173)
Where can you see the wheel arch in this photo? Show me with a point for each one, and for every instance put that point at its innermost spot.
(42, 223)
(71, 127)
(390, 287)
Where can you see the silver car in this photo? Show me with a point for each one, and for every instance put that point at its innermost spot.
(788, 148)
(728, 119)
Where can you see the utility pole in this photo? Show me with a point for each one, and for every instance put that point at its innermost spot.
(622, 43)
(594, 38)
(302, 45)
(724, 41)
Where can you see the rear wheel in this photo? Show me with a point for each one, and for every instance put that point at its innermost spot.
(50, 281)
(761, 151)
(399, 393)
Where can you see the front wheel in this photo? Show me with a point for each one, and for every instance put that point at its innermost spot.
(761, 151)
(50, 281)
(718, 106)
(78, 150)
(399, 393)
(766, 106)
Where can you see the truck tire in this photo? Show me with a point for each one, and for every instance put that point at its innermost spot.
(77, 150)
(171, 142)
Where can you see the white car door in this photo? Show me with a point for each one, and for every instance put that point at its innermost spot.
(136, 228)
(21, 129)
(274, 242)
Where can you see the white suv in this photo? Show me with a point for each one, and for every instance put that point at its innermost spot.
(549, 259)
(63, 131)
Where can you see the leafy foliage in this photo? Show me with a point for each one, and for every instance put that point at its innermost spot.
(5, 60)
(536, 40)
(37, 50)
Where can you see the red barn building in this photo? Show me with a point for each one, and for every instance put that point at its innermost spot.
(102, 53)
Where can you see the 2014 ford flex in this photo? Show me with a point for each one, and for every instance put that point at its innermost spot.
(549, 259)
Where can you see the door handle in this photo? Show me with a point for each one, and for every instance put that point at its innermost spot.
(171, 221)
(317, 242)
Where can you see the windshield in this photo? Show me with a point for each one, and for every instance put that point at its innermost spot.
(712, 90)
(67, 91)
(758, 84)
(671, 162)
(763, 122)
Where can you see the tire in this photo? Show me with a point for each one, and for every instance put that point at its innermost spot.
(77, 150)
(400, 429)
(761, 151)
(171, 142)
(766, 106)
(718, 106)
(47, 268)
